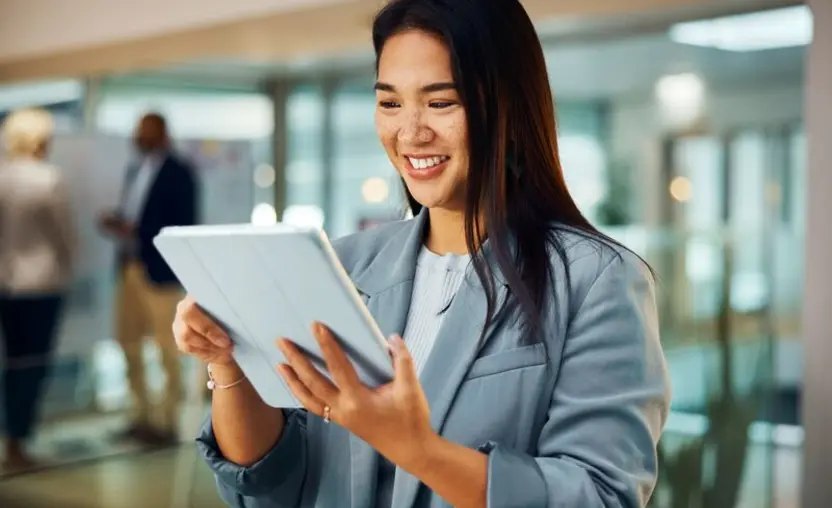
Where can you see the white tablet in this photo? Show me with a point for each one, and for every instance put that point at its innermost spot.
(261, 283)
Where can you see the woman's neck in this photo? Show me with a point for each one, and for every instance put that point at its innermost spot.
(446, 232)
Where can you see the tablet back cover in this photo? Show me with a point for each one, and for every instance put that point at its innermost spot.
(263, 283)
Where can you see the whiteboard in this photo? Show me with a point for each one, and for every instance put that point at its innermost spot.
(95, 165)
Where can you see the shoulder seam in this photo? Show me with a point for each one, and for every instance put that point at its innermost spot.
(592, 286)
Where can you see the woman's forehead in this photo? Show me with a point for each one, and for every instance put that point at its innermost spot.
(414, 59)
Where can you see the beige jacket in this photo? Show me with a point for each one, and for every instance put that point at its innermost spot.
(37, 235)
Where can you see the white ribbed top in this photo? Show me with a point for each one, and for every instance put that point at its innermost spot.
(437, 280)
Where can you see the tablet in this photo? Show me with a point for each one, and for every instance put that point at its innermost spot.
(260, 283)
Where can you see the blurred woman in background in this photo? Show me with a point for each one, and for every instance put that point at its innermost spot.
(36, 255)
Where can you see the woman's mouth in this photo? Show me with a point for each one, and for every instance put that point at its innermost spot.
(426, 167)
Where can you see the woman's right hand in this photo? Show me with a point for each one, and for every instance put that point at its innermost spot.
(199, 336)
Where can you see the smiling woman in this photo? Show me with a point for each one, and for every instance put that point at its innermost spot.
(530, 371)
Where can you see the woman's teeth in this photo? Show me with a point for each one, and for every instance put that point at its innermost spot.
(428, 162)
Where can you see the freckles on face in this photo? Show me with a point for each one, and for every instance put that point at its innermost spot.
(420, 118)
(387, 128)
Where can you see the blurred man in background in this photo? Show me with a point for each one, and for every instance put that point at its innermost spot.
(160, 190)
(37, 250)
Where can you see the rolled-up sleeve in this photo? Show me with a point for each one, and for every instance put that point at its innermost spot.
(279, 475)
(598, 445)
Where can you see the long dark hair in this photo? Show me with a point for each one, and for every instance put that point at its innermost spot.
(516, 190)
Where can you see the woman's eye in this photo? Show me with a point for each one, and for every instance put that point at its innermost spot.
(388, 104)
(441, 104)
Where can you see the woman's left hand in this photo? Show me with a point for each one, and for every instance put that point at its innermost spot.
(394, 418)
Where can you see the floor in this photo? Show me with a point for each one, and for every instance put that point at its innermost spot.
(177, 477)
(88, 468)
(174, 478)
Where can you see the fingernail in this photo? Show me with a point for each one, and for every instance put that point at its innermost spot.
(396, 343)
(220, 340)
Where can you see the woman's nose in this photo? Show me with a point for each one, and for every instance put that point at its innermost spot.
(414, 130)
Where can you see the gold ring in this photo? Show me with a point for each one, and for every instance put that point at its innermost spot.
(327, 411)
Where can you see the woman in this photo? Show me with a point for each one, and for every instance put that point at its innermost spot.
(534, 378)
(36, 257)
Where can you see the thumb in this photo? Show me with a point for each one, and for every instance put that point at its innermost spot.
(405, 369)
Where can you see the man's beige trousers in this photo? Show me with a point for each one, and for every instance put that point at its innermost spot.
(143, 308)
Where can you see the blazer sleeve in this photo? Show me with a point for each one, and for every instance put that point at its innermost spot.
(278, 476)
(186, 204)
(598, 446)
(65, 235)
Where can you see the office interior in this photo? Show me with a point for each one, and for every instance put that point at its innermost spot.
(683, 133)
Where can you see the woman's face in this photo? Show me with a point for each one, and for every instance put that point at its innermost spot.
(420, 119)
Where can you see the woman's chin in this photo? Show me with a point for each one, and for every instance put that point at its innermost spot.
(431, 194)
(427, 200)
(438, 203)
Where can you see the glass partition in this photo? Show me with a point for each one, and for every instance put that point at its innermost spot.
(730, 291)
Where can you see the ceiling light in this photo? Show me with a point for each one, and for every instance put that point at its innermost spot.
(777, 28)
(681, 99)
(38, 94)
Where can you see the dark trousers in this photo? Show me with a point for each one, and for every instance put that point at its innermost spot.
(28, 325)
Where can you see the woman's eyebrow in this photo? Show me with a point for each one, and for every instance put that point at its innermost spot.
(432, 87)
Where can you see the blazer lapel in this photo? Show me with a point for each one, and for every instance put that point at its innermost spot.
(156, 185)
(386, 286)
(457, 346)
(153, 186)
(390, 311)
(364, 467)
(127, 184)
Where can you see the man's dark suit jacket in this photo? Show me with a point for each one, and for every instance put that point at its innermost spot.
(172, 200)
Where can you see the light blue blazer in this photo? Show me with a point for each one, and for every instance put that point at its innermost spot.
(572, 422)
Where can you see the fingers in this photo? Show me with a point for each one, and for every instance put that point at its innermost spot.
(319, 385)
(210, 354)
(339, 366)
(403, 365)
(196, 349)
(191, 343)
(197, 335)
(303, 394)
(202, 324)
(189, 312)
